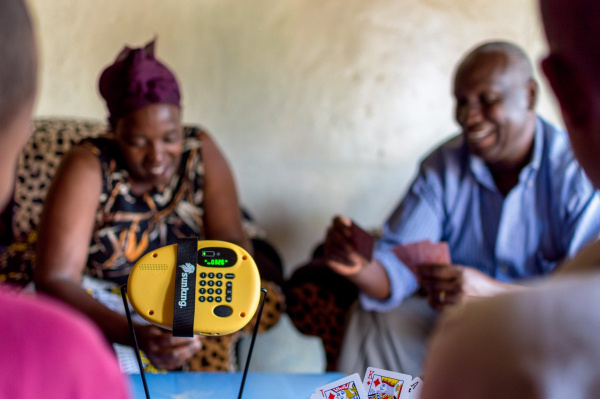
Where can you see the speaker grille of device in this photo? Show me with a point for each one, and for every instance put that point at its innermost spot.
(153, 266)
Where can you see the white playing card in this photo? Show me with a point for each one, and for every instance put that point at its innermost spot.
(385, 383)
(316, 396)
(349, 387)
(416, 386)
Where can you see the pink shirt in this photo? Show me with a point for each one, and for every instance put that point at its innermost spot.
(51, 351)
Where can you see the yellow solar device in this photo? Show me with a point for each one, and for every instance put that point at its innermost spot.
(202, 287)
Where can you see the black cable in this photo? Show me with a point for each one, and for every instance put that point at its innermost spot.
(135, 343)
(254, 333)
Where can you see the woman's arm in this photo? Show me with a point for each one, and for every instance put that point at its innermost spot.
(222, 214)
(64, 237)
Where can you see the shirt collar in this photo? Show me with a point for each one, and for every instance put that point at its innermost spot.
(484, 176)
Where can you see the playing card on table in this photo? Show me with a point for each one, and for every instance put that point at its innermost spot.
(386, 384)
(363, 242)
(349, 387)
(416, 386)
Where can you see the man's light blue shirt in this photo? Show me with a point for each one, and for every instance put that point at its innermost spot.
(549, 215)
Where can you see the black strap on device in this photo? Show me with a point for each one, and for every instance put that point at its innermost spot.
(185, 287)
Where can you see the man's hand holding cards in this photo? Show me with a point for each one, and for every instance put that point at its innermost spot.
(430, 263)
(363, 242)
(348, 248)
(421, 252)
(377, 384)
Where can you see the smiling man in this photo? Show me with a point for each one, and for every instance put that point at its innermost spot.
(542, 342)
(506, 194)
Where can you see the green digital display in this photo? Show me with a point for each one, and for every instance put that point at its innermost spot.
(217, 257)
(216, 262)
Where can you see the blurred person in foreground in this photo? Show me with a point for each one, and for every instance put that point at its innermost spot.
(543, 342)
(48, 350)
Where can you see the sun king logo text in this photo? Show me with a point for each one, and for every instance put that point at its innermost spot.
(187, 269)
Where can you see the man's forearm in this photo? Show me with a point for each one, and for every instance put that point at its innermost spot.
(373, 281)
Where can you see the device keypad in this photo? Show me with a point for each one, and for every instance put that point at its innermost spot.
(215, 280)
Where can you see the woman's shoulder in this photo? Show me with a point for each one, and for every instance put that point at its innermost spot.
(82, 155)
(199, 142)
(194, 137)
(79, 172)
(100, 145)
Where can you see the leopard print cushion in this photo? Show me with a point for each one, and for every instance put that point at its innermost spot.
(319, 303)
(38, 162)
(313, 311)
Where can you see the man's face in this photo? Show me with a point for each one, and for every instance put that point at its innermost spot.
(494, 108)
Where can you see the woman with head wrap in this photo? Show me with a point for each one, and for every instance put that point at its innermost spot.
(137, 188)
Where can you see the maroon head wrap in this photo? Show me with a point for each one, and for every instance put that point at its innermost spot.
(135, 80)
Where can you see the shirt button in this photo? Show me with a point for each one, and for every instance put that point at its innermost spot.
(504, 269)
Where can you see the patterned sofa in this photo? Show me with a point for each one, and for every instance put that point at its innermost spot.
(50, 140)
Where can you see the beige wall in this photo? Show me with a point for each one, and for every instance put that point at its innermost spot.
(321, 106)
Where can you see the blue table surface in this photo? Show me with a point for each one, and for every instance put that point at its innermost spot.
(190, 385)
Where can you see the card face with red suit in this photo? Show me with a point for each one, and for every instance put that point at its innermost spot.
(377, 384)
(387, 384)
(350, 387)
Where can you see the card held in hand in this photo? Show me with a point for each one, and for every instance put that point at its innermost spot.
(349, 387)
(363, 242)
(387, 384)
(434, 252)
(416, 386)
(419, 252)
(408, 254)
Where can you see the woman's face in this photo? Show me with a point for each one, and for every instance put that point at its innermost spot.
(151, 140)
